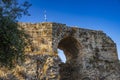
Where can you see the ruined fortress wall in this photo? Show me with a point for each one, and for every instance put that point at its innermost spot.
(46, 61)
(41, 37)
(90, 54)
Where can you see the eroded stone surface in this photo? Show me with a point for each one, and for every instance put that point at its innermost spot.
(91, 55)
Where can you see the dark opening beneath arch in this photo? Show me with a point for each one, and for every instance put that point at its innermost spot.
(70, 47)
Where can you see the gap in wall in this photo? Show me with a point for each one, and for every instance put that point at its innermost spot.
(61, 55)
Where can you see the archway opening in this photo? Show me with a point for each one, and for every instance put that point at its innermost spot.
(61, 55)
(70, 47)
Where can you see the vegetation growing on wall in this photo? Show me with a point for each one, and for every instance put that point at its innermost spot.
(12, 39)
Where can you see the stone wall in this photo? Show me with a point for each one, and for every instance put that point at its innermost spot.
(91, 54)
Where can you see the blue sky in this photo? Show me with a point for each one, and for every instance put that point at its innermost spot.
(92, 14)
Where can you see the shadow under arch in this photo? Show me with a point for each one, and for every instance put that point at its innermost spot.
(71, 49)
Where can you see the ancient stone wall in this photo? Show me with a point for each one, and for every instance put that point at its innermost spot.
(90, 54)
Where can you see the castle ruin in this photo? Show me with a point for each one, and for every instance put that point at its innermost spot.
(90, 54)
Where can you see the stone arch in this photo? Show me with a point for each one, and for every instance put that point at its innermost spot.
(70, 46)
